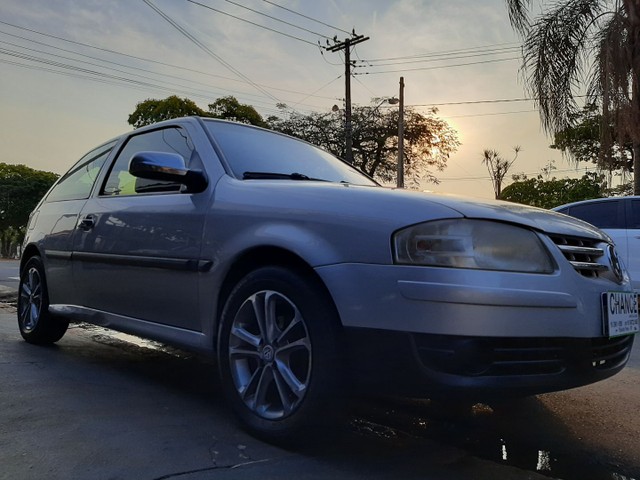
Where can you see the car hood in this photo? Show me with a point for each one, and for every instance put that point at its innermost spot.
(537, 218)
(335, 203)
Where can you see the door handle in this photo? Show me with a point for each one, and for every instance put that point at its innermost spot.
(87, 223)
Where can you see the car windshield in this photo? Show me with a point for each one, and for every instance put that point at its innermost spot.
(253, 153)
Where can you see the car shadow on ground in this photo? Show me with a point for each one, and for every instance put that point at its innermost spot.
(381, 437)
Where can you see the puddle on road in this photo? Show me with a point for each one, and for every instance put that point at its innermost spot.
(113, 337)
(475, 432)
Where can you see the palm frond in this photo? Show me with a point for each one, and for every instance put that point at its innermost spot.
(519, 15)
(556, 53)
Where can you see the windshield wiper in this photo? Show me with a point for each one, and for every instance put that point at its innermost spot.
(277, 176)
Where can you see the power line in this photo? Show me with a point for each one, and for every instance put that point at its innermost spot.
(473, 102)
(147, 60)
(250, 22)
(111, 69)
(490, 114)
(439, 66)
(200, 72)
(67, 66)
(445, 52)
(367, 88)
(439, 59)
(307, 17)
(116, 81)
(207, 50)
(321, 88)
(277, 19)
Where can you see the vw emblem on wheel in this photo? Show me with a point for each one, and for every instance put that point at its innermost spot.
(267, 353)
(616, 267)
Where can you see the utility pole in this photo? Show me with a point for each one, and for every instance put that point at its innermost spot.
(346, 46)
(401, 136)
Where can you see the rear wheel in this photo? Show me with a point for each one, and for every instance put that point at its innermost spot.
(36, 324)
(278, 349)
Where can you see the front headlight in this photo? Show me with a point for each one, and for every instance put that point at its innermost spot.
(477, 244)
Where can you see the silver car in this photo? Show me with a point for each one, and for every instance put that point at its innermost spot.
(303, 277)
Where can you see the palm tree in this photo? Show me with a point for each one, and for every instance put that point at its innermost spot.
(589, 44)
(498, 167)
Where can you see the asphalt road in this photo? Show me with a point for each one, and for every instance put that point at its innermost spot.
(9, 276)
(100, 406)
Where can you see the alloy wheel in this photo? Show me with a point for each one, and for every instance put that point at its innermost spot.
(270, 355)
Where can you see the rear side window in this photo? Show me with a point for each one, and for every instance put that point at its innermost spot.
(167, 140)
(609, 214)
(78, 182)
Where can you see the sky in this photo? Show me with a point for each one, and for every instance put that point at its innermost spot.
(73, 70)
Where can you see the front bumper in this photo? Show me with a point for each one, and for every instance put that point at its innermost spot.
(422, 330)
(476, 303)
(480, 367)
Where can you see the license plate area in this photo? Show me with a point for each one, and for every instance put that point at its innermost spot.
(620, 313)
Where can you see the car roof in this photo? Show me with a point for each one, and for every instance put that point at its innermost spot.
(593, 200)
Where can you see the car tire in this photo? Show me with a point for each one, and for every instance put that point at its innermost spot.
(279, 355)
(36, 324)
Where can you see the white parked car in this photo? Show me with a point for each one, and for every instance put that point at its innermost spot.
(302, 276)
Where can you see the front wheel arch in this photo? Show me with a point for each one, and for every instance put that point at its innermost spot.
(263, 257)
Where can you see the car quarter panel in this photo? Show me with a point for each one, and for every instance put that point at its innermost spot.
(52, 228)
(323, 223)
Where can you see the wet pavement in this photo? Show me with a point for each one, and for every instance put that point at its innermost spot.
(101, 404)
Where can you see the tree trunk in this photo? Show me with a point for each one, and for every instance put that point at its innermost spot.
(633, 18)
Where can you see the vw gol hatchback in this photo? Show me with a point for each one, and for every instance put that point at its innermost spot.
(301, 275)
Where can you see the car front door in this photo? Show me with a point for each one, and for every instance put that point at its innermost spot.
(137, 250)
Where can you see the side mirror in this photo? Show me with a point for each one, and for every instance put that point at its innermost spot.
(167, 168)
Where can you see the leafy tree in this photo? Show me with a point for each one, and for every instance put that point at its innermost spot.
(320, 129)
(21, 188)
(551, 193)
(428, 140)
(10, 239)
(230, 109)
(571, 38)
(498, 167)
(152, 110)
(581, 142)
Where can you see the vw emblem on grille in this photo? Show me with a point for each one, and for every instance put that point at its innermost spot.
(616, 267)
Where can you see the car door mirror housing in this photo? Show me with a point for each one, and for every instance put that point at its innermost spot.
(167, 167)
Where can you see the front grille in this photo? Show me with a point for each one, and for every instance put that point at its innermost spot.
(503, 357)
(609, 353)
(585, 255)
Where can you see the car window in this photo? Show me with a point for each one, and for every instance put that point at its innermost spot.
(78, 182)
(168, 140)
(254, 150)
(634, 215)
(606, 214)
